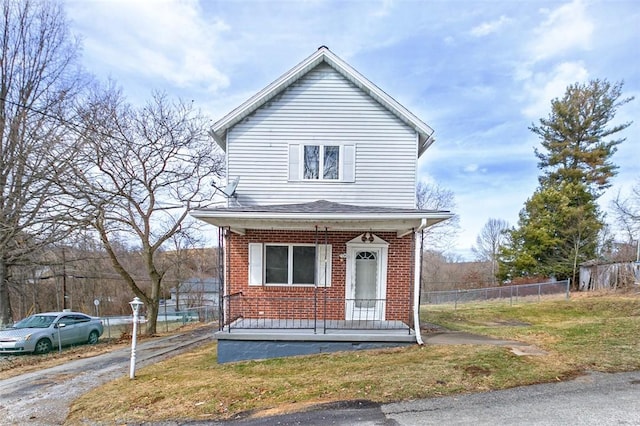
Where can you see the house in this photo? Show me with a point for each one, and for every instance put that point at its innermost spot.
(196, 292)
(321, 233)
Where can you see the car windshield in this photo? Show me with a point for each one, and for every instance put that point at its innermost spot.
(35, 321)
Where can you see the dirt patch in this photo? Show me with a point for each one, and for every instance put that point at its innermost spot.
(477, 371)
(507, 323)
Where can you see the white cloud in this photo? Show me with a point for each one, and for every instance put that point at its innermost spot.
(565, 28)
(385, 8)
(167, 40)
(487, 28)
(542, 87)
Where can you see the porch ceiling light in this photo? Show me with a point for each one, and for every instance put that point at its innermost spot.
(367, 237)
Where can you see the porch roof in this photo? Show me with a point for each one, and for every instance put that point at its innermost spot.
(322, 214)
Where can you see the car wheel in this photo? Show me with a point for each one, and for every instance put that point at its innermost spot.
(93, 338)
(43, 346)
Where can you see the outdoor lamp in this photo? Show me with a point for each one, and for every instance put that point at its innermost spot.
(135, 307)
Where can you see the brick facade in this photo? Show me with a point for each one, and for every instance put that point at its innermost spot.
(309, 302)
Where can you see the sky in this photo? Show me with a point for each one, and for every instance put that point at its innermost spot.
(478, 72)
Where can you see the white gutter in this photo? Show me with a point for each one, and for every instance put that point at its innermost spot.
(416, 282)
(257, 215)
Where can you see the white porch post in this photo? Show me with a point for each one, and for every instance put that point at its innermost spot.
(417, 266)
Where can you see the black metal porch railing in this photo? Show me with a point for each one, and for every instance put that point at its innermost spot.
(316, 313)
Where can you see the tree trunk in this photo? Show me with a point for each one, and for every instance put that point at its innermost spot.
(152, 316)
(5, 302)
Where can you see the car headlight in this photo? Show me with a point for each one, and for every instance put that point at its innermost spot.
(25, 338)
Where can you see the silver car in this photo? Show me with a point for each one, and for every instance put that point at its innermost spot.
(40, 333)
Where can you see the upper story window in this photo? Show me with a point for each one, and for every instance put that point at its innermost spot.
(322, 162)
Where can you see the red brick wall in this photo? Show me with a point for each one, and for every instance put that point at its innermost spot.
(297, 302)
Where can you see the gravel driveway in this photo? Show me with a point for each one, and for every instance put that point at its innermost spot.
(43, 397)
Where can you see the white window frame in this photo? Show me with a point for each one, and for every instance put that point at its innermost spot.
(321, 148)
(346, 162)
(257, 264)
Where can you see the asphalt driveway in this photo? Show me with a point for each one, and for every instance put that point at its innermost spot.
(43, 397)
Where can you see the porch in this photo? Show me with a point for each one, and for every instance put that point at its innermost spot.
(305, 325)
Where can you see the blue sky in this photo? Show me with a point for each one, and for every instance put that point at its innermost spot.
(478, 72)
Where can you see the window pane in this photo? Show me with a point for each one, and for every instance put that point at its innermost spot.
(366, 280)
(276, 264)
(331, 162)
(304, 261)
(311, 162)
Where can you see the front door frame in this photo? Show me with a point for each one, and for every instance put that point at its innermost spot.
(373, 243)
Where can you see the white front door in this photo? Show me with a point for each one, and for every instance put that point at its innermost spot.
(366, 282)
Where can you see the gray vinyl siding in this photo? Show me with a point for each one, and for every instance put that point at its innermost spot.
(324, 108)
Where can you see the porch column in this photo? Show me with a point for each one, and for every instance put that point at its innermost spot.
(417, 267)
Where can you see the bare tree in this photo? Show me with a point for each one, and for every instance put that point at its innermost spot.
(627, 212)
(488, 243)
(38, 80)
(440, 236)
(178, 259)
(143, 170)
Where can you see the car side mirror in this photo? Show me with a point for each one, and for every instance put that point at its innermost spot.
(61, 325)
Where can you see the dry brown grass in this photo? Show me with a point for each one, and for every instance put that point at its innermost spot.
(586, 333)
(193, 386)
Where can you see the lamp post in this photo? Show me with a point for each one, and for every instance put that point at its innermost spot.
(135, 307)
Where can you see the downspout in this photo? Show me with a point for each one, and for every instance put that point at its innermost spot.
(417, 269)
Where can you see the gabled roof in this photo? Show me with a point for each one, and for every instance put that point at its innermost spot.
(322, 55)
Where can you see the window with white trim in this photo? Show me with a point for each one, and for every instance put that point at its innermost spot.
(322, 162)
(289, 264)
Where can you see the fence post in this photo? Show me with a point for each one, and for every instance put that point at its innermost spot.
(568, 285)
(511, 295)
(539, 289)
(229, 312)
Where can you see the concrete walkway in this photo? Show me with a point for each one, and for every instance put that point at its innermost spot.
(463, 338)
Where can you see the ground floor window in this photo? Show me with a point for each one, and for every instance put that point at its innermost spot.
(289, 264)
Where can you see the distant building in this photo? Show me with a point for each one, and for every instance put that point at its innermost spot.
(600, 275)
(195, 292)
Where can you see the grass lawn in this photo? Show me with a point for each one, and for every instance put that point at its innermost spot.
(588, 332)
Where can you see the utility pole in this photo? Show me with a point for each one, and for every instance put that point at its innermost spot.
(64, 281)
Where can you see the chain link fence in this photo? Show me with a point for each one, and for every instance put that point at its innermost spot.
(115, 326)
(504, 294)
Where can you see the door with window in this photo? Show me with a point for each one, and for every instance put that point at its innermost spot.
(366, 283)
